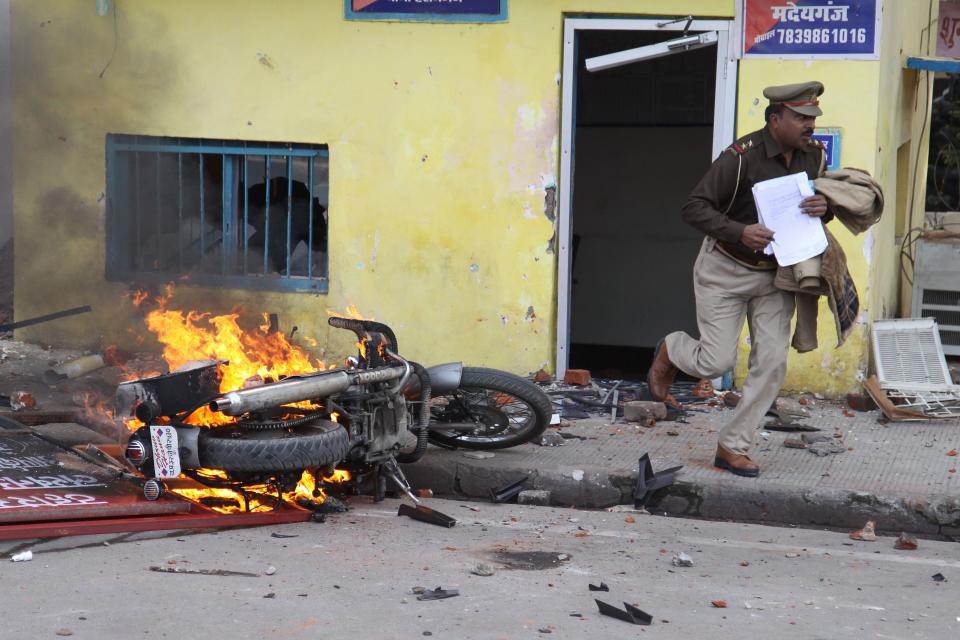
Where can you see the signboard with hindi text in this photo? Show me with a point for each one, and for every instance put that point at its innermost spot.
(427, 10)
(808, 29)
(39, 481)
(948, 31)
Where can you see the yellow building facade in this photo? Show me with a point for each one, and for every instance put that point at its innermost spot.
(445, 170)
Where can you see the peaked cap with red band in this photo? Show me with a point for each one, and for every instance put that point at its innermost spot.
(800, 97)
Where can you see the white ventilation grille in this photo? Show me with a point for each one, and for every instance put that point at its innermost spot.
(908, 352)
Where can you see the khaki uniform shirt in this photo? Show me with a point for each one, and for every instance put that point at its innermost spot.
(754, 157)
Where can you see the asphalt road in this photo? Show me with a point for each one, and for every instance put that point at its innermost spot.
(351, 578)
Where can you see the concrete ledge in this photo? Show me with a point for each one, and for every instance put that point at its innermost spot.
(449, 474)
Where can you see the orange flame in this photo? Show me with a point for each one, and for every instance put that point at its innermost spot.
(259, 495)
(190, 335)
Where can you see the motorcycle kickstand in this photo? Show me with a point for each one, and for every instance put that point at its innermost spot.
(391, 469)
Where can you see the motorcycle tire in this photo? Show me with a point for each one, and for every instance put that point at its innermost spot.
(309, 446)
(475, 383)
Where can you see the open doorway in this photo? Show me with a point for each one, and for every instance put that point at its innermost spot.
(641, 136)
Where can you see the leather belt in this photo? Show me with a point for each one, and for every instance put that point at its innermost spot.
(744, 256)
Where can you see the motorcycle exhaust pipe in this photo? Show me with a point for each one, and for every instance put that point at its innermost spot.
(298, 389)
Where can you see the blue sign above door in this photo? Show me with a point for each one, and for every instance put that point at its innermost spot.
(427, 10)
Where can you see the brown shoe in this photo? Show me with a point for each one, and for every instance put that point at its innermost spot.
(661, 373)
(736, 463)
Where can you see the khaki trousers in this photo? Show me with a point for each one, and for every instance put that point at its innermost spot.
(727, 291)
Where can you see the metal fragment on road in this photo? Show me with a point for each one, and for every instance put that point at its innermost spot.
(630, 613)
(601, 587)
(438, 594)
(426, 514)
(508, 492)
(648, 481)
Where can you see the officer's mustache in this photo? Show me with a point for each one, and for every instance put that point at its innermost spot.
(808, 132)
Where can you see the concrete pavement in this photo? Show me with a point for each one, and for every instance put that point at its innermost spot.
(351, 578)
(898, 474)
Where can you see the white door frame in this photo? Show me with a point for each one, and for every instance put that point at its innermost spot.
(723, 133)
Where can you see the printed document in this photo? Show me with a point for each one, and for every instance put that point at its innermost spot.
(797, 236)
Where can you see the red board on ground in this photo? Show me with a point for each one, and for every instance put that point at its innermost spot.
(41, 481)
(48, 491)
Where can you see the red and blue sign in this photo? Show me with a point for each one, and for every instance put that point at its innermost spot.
(427, 10)
(811, 28)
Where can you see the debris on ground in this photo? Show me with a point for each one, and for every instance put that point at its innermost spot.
(731, 398)
(794, 443)
(550, 439)
(578, 377)
(860, 402)
(703, 389)
(482, 569)
(823, 449)
(867, 534)
(905, 542)
(939, 577)
(682, 560)
(719, 604)
(437, 594)
(478, 455)
(23, 556)
(629, 613)
(20, 400)
(649, 482)
(601, 587)
(640, 410)
(626, 508)
(330, 504)
(424, 513)
(509, 491)
(542, 376)
(205, 572)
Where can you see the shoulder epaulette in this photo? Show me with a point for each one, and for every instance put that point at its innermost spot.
(740, 148)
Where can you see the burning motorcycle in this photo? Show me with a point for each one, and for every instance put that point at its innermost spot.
(365, 417)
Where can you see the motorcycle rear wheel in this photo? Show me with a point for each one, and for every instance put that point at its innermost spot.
(309, 446)
(507, 409)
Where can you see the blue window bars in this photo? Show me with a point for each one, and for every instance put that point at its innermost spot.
(246, 215)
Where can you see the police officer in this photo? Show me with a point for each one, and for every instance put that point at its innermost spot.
(732, 276)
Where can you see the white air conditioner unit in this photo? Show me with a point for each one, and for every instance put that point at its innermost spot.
(936, 289)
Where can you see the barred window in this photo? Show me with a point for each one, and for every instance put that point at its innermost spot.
(217, 212)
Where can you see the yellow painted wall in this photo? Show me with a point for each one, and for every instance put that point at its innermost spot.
(871, 102)
(443, 140)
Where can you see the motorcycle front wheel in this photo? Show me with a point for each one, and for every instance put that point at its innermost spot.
(491, 409)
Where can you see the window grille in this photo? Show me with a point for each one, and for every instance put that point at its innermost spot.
(217, 213)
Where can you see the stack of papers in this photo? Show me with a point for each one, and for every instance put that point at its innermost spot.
(797, 236)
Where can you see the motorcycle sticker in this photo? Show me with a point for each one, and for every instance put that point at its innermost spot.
(166, 451)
